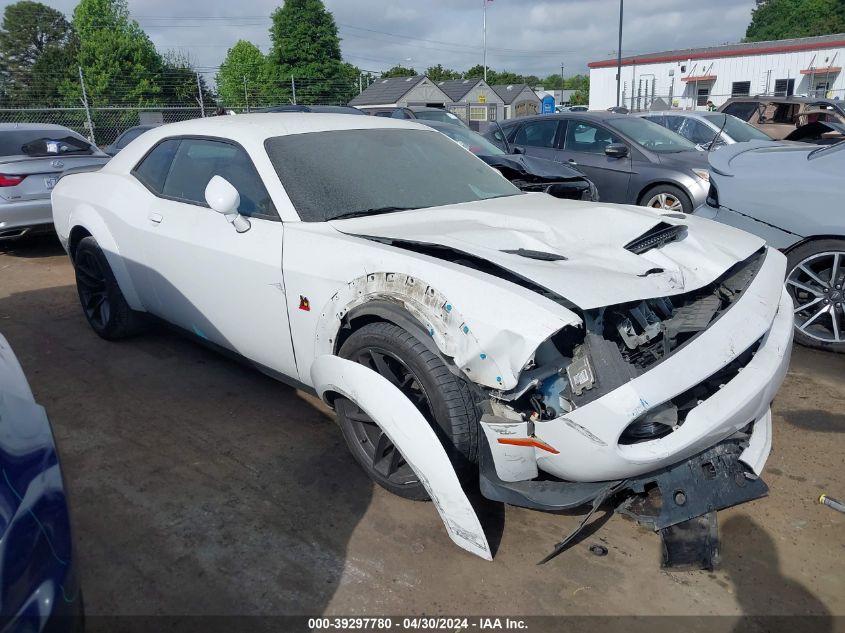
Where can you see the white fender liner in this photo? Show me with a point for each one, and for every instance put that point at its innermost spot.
(410, 433)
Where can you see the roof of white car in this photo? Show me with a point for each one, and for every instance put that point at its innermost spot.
(265, 125)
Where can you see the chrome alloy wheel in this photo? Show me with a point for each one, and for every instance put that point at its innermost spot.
(817, 286)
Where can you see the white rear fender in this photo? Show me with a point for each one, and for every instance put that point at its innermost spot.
(410, 433)
(88, 219)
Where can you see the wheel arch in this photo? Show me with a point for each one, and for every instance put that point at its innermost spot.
(420, 308)
(811, 238)
(660, 182)
(85, 222)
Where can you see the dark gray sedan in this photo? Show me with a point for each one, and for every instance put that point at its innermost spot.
(32, 159)
(791, 195)
(630, 160)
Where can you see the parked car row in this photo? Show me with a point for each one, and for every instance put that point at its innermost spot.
(630, 160)
(406, 258)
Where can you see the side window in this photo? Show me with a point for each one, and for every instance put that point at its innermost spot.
(697, 132)
(537, 134)
(152, 170)
(198, 160)
(741, 109)
(656, 118)
(588, 138)
(675, 123)
(129, 136)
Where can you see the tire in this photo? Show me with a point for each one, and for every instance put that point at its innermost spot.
(444, 399)
(810, 282)
(102, 302)
(658, 196)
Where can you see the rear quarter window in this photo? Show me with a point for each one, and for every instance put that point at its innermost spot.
(153, 169)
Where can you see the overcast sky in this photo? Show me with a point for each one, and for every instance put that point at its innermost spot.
(523, 36)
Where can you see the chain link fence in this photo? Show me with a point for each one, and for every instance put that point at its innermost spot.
(106, 124)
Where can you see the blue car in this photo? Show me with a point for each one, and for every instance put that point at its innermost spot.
(39, 590)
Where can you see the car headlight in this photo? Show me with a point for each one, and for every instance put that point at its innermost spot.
(704, 174)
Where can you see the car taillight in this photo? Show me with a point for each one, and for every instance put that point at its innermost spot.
(10, 181)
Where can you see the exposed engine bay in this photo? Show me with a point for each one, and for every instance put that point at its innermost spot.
(617, 344)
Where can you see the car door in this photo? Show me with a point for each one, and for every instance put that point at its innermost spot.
(583, 147)
(222, 285)
(538, 138)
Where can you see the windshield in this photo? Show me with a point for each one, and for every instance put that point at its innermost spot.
(738, 130)
(652, 136)
(358, 172)
(42, 143)
(470, 140)
(438, 115)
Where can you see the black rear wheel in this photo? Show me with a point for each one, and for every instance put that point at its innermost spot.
(444, 400)
(103, 303)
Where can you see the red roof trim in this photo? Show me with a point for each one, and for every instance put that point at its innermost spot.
(827, 70)
(728, 52)
(700, 78)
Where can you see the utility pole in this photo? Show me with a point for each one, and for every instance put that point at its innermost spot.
(85, 105)
(246, 95)
(199, 96)
(484, 32)
(619, 56)
(293, 88)
(360, 86)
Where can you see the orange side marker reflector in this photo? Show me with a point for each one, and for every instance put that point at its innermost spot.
(528, 441)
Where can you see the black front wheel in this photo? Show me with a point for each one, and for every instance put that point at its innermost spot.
(443, 399)
(103, 303)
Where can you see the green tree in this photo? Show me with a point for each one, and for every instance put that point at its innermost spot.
(37, 50)
(505, 78)
(179, 82)
(399, 71)
(306, 46)
(118, 60)
(783, 19)
(438, 73)
(242, 77)
(580, 97)
(477, 72)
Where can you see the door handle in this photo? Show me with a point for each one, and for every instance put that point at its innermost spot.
(155, 218)
(571, 162)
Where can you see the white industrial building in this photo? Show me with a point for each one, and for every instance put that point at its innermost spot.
(688, 79)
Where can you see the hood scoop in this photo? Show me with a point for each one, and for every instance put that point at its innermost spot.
(542, 256)
(657, 236)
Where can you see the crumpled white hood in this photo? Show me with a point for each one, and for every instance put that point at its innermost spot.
(598, 271)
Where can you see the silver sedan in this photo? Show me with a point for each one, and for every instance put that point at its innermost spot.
(32, 159)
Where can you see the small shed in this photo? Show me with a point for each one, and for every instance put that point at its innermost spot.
(402, 91)
(473, 100)
(518, 99)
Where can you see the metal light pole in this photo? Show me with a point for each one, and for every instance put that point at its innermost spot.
(484, 32)
(619, 57)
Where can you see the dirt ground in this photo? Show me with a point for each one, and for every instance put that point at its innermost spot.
(200, 486)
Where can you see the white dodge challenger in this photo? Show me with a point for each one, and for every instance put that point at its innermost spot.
(563, 353)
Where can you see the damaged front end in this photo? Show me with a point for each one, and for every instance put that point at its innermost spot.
(661, 404)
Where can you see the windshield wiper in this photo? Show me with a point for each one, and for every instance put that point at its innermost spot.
(375, 211)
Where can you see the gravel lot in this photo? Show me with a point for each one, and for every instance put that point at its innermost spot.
(201, 486)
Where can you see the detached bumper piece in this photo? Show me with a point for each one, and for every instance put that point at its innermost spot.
(679, 502)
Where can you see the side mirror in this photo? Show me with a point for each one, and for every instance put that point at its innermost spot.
(616, 150)
(111, 150)
(225, 199)
(518, 150)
